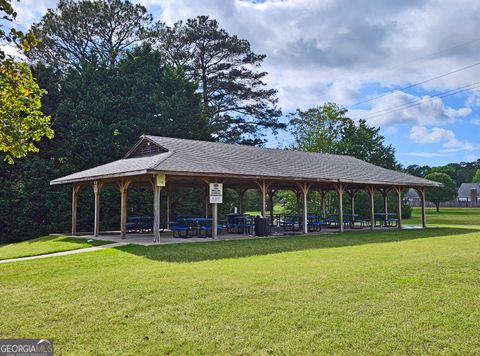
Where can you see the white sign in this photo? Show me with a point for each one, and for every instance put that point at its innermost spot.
(95, 186)
(216, 193)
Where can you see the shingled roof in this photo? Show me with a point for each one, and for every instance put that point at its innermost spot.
(179, 156)
(465, 190)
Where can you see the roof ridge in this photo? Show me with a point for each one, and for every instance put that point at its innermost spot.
(249, 147)
(162, 156)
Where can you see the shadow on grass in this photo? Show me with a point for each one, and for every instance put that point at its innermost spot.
(202, 251)
(72, 240)
(55, 239)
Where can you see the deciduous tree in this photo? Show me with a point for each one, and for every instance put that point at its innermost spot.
(85, 30)
(22, 122)
(476, 178)
(327, 129)
(418, 171)
(438, 195)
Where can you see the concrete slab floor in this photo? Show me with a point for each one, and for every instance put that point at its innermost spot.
(146, 239)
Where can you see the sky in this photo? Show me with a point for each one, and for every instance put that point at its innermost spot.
(364, 55)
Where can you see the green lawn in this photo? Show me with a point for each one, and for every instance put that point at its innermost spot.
(447, 217)
(388, 292)
(44, 245)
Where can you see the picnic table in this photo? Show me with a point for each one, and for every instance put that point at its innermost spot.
(349, 220)
(386, 219)
(240, 224)
(139, 224)
(191, 227)
(291, 222)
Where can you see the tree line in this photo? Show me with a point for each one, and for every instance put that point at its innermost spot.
(105, 73)
(452, 175)
(464, 172)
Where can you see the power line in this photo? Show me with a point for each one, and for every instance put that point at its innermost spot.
(417, 84)
(444, 50)
(422, 101)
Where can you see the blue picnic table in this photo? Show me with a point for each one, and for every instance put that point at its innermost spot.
(191, 227)
(386, 219)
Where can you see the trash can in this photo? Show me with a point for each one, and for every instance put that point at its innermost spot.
(261, 226)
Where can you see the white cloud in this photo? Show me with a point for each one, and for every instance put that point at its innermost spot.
(422, 135)
(391, 130)
(402, 108)
(456, 145)
(471, 157)
(327, 50)
(30, 11)
(311, 44)
(426, 154)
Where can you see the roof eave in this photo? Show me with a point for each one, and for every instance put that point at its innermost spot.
(60, 181)
(245, 176)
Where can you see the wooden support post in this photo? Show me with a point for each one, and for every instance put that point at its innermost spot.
(214, 211)
(123, 188)
(123, 213)
(263, 187)
(351, 194)
(207, 204)
(399, 206)
(352, 201)
(168, 207)
(421, 192)
(298, 195)
(385, 203)
(304, 188)
(214, 221)
(97, 187)
(384, 192)
(371, 194)
(271, 197)
(305, 212)
(340, 189)
(75, 190)
(156, 213)
(324, 205)
(263, 198)
(241, 193)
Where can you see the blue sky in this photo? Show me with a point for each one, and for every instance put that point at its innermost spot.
(350, 51)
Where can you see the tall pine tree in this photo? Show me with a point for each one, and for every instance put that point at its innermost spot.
(234, 94)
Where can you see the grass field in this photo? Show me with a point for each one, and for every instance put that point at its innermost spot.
(44, 245)
(388, 292)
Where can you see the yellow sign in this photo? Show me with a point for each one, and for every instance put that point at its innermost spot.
(161, 178)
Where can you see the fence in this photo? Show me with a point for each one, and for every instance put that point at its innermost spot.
(468, 203)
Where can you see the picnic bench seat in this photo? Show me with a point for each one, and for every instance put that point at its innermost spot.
(392, 222)
(361, 223)
(314, 226)
(179, 230)
(139, 224)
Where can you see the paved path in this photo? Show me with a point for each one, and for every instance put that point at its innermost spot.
(65, 253)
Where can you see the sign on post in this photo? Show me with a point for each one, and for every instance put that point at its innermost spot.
(160, 182)
(95, 186)
(216, 193)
